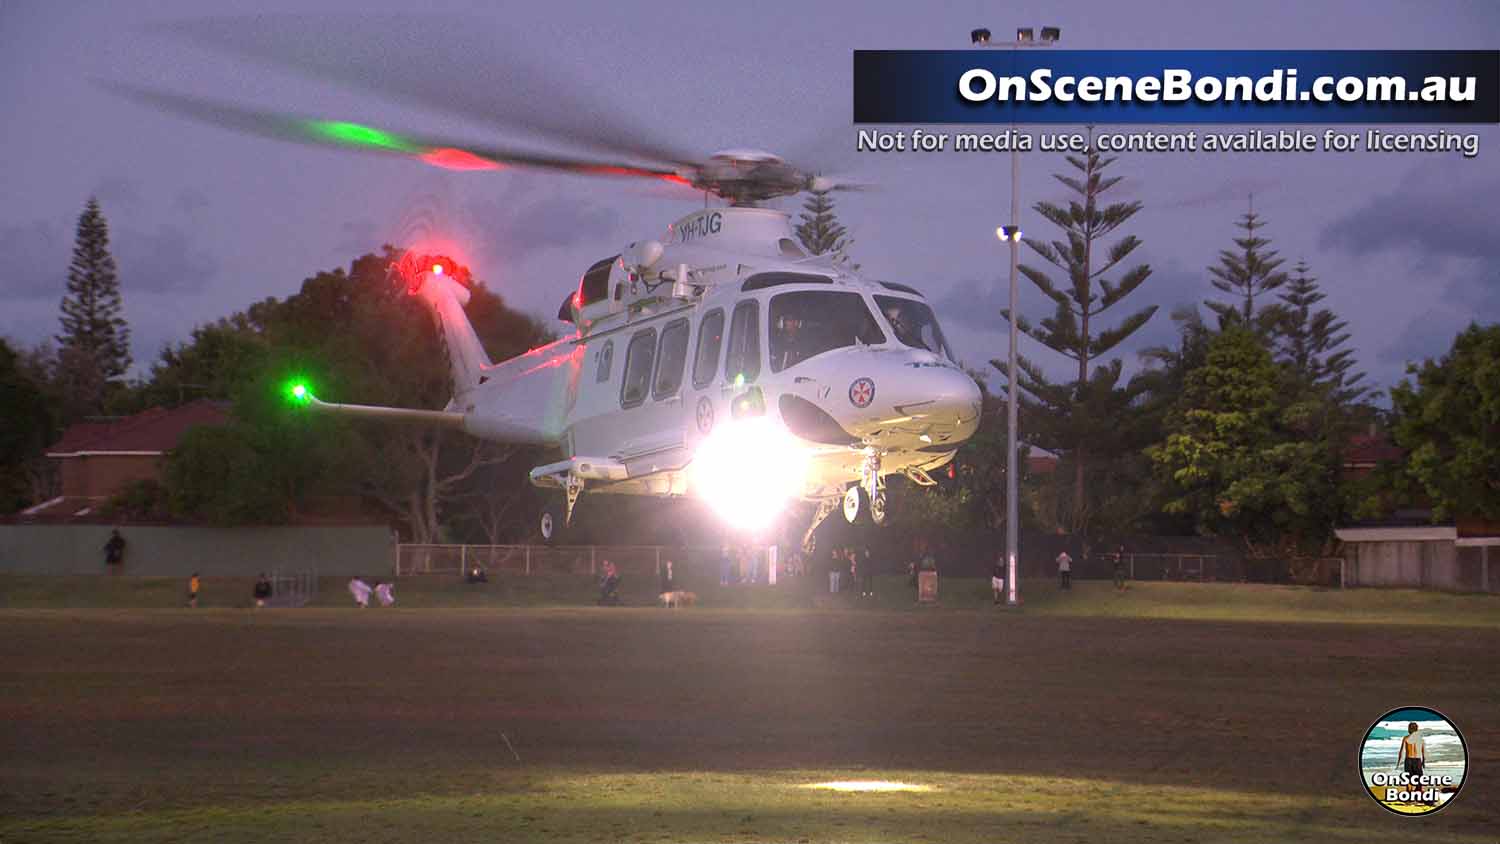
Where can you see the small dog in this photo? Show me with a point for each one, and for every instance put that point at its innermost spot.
(678, 598)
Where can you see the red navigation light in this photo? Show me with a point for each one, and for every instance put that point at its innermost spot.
(437, 269)
(449, 158)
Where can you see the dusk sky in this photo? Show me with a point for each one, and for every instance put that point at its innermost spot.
(204, 221)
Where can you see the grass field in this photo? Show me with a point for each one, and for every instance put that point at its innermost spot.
(1088, 717)
(1144, 599)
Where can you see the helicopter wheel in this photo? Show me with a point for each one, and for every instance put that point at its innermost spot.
(878, 512)
(856, 504)
(551, 523)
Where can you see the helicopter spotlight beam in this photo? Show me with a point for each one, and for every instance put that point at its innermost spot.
(748, 471)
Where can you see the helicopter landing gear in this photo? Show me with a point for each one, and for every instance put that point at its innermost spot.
(865, 499)
(557, 516)
(826, 506)
(550, 526)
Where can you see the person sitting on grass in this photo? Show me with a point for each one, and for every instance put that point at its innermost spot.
(383, 592)
(262, 590)
(609, 584)
(361, 592)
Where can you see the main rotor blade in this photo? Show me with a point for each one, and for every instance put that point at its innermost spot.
(438, 152)
(455, 67)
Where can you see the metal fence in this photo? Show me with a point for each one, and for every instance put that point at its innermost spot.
(292, 589)
(633, 560)
(1312, 571)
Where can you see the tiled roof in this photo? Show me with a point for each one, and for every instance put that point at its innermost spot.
(1370, 449)
(150, 431)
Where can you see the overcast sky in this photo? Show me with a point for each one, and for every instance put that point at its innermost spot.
(204, 221)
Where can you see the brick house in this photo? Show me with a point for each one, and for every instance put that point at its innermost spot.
(96, 460)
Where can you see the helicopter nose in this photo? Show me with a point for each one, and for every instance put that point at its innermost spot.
(923, 400)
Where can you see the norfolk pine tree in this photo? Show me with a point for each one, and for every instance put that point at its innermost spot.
(94, 346)
(1247, 272)
(1310, 341)
(820, 231)
(1077, 418)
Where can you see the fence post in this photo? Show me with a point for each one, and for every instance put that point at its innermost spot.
(593, 560)
(463, 559)
(398, 559)
(1132, 567)
(528, 559)
(1484, 568)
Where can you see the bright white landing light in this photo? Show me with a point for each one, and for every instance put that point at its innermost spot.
(868, 785)
(747, 470)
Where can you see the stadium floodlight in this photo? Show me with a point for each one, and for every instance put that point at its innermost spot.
(1025, 35)
(1009, 233)
(1051, 33)
(979, 36)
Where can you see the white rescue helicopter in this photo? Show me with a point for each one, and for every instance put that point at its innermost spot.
(718, 360)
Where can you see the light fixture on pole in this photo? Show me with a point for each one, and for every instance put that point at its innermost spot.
(1012, 235)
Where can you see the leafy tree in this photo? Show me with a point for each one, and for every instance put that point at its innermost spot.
(1077, 418)
(1448, 422)
(354, 337)
(1250, 271)
(1233, 458)
(1310, 341)
(821, 232)
(25, 429)
(95, 337)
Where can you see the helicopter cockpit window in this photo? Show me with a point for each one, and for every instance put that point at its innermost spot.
(810, 322)
(671, 358)
(914, 324)
(606, 360)
(595, 283)
(638, 358)
(743, 358)
(710, 338)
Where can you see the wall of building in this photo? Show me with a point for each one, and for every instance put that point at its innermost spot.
(177, 551)
(1430, 564)
(104, 474)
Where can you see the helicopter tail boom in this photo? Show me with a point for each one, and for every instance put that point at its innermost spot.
(467, 360)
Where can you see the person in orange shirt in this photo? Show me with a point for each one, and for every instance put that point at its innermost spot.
(193, 591)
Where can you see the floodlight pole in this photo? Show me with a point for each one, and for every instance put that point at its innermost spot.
(1012, 472)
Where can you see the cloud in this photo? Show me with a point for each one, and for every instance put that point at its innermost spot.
(36, 255)
(1436, 211)
(190, 201)
(117, 193)
(163, 261)
(1233, 190)
(515, 230)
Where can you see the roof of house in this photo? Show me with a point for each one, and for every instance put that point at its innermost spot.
(1370, 449)
(153, 431)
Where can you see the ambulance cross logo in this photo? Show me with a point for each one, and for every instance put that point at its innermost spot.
(705, 415)
(862, 392)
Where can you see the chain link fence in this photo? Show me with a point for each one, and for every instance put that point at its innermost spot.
(630, 560)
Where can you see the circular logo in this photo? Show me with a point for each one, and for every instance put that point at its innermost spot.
(862, 392)
(705, 415)
(1413, 760)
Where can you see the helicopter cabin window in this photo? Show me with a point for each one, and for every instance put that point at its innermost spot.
(606, 360)
(743, 358)
(710, 338)
(810, 322)
(638, 359)
(671, 358)
(760, 281)
(595, 284)
(914, 324)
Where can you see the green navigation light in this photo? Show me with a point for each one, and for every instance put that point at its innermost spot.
(358, 135)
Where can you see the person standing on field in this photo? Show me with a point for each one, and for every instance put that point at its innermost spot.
(193, 591)
(997, 578)
(383, 592)
(1065, 570)
(262, 590)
